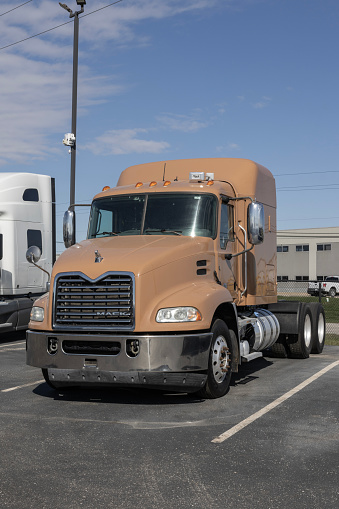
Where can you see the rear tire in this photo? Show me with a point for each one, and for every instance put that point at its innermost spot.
(318, 327)
(279, 350)
(219, 364)
(301, 349)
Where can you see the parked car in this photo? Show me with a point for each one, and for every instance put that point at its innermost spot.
(330, 286)
(313, 288)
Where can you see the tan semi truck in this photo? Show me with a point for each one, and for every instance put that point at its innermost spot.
(175, 285)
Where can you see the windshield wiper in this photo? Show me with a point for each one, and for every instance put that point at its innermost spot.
(97, 235)
(148, 231)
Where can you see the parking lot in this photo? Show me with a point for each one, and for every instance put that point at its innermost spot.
(271, 442)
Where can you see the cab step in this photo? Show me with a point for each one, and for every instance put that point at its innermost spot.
(251, 356)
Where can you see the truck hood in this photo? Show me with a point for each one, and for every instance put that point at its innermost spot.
(137, 254)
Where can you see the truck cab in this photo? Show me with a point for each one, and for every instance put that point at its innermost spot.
(27, 209)
(172, 287)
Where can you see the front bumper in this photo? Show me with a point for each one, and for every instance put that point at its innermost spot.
(171, 361)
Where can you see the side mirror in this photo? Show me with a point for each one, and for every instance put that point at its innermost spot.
(255, 223)
(69, 228)
(33, 254)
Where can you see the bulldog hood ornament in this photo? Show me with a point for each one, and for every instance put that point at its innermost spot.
(98, 257)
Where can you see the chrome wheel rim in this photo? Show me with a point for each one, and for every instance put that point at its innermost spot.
(220, 359)
(307, 330)
(321, 328)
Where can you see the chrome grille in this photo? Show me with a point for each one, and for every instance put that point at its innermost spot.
(106, 303)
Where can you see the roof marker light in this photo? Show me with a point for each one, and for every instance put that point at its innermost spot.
(139, 184)
(105, 188)
(152, 184)
(167, 182)
(210, 183)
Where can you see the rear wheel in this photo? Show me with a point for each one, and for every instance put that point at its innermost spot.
(302, 347)
(279, 350)
(219, 364)
(318, 327)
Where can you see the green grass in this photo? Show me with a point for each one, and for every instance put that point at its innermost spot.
(332, 339)
(331, 307)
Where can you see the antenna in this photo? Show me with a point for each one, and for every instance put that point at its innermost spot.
(163, 177)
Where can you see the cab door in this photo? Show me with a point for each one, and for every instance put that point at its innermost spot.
(226, 246)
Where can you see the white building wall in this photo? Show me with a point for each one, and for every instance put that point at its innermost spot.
(311, 263)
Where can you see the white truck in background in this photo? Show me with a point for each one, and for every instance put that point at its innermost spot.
(314, 287)
(27, 218)
(328, 287)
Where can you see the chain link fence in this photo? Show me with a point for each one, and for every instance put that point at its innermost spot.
(310, 291)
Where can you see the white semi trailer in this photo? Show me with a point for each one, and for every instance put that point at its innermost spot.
(27, 218)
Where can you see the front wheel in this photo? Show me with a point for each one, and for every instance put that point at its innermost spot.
(219, 364)
(47, 379)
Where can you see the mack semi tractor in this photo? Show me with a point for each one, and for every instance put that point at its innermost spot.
(175, 285)
(27, 218)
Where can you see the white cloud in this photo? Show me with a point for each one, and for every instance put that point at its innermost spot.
(229, 147)
(126, 141)
(110, 22)
(36, 103)
(183, 123)
(233, 146)
(262, 103)
(36, 75)
(222, 108)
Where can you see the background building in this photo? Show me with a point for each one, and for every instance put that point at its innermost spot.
(307, 254)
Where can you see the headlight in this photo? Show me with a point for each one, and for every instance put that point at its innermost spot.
(37, 314)
(182, 314)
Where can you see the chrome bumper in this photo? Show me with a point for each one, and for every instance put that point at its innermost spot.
(176, 361)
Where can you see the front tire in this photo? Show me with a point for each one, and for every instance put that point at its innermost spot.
(47, 379)
(332, 292)
(219, 364)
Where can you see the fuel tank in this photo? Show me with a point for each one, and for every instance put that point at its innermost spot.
(259, 327)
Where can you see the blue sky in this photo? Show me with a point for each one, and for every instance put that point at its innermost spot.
(170, 79)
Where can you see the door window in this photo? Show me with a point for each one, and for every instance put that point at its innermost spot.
(34, 238)
(226, 224)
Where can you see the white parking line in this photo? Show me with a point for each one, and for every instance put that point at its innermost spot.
(21, 386)
(12, 349)
(232, 431)
(12, 344)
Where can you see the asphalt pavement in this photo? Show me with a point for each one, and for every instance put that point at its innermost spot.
(271, 442)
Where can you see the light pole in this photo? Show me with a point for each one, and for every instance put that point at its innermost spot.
(70, 138)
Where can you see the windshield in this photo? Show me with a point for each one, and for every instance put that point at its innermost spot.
(154, 214)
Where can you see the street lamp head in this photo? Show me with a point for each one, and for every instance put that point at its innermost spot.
(64, 6)
(81, 2)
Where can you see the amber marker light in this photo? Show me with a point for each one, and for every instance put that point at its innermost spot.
(139, 184)
(105, 188)
(210, 183)
(167, 183)
(152, 184)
